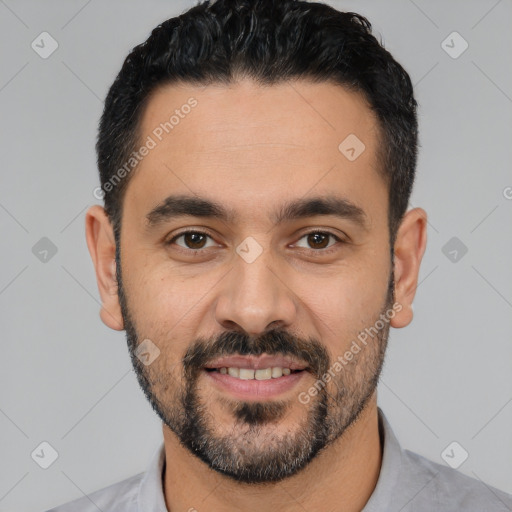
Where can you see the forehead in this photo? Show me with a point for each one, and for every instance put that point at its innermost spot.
(246, 142)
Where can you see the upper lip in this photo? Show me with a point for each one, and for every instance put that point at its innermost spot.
(256, 362)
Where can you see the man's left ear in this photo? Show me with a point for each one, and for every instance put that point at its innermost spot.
(410, 244)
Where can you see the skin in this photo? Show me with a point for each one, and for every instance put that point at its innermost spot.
(252, 148)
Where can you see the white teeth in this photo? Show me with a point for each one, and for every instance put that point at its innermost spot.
(260, 374)
(277, 372)
(234, 372)
(246, 374)
(264, 374)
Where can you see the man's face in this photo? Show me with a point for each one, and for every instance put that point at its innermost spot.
(251, 311)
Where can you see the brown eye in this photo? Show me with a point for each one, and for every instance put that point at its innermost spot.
(319, 240)
(193, 240)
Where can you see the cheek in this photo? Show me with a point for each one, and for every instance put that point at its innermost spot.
(164, 306)
(344, 305)
(152, 289)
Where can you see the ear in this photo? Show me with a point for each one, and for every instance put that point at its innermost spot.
(102, 248)
(410, 244)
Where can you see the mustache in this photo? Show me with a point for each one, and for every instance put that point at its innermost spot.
(275, 342)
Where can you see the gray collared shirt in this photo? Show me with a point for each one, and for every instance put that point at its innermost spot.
(407, 482)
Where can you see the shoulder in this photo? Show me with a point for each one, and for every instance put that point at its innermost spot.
(119, 497)
(446, 489)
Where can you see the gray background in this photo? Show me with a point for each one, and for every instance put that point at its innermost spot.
(66, 378)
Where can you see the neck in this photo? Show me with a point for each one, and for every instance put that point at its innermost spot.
(341, 477)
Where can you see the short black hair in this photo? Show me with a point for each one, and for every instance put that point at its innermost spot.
(269, 41)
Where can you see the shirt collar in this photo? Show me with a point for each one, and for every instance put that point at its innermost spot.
(151, 494)
(151, 489)
(389, 470)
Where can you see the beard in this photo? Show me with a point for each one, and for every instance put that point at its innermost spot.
(255, 449)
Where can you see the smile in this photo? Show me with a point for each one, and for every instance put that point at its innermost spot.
(250, 373)
(255, 377)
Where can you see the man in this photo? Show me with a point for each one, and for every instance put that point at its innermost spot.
(256, 159)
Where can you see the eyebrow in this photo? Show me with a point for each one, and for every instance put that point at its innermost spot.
(176, 206)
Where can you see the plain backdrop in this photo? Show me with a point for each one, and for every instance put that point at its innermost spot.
(66, 379)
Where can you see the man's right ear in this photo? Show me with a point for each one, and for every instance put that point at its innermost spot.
(102, 248)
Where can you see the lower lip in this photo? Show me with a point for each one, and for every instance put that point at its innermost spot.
(255, 389)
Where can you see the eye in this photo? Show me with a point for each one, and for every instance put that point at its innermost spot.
(192, 240)
(319, 240)
(316, 241)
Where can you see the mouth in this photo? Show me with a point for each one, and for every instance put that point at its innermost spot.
(274, 372)
(255, 378)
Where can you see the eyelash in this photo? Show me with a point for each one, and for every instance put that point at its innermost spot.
(315, 251)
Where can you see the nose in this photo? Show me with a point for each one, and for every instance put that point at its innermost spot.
(254, 298)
